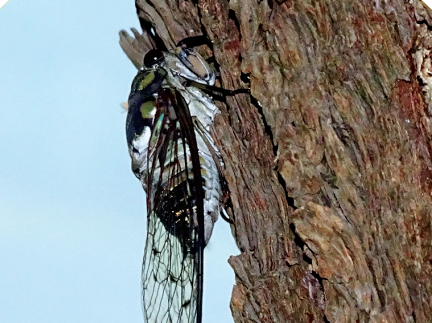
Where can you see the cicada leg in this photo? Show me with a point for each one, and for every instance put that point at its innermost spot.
(194, 41)
(215, 92)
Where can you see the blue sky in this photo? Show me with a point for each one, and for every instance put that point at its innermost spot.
(72, 214)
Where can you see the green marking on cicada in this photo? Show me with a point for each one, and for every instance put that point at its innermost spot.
(147, 109)
(146, 81)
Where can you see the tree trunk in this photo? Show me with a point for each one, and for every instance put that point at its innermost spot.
(328, 161)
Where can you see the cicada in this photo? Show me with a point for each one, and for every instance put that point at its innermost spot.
(174, 157)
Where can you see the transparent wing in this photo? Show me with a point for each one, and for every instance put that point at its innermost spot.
(172, 273)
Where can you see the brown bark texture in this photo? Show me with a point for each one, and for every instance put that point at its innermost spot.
(328, 160)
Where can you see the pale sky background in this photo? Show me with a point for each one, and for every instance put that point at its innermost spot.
(72, 214)
(428, 2)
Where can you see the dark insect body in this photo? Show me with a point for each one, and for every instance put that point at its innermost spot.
(173, 155)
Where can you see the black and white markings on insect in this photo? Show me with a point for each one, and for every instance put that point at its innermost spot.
(174, 157)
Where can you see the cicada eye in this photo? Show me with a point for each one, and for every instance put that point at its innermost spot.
(153, 57)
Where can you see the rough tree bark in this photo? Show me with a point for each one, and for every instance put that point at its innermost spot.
(329, 159)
